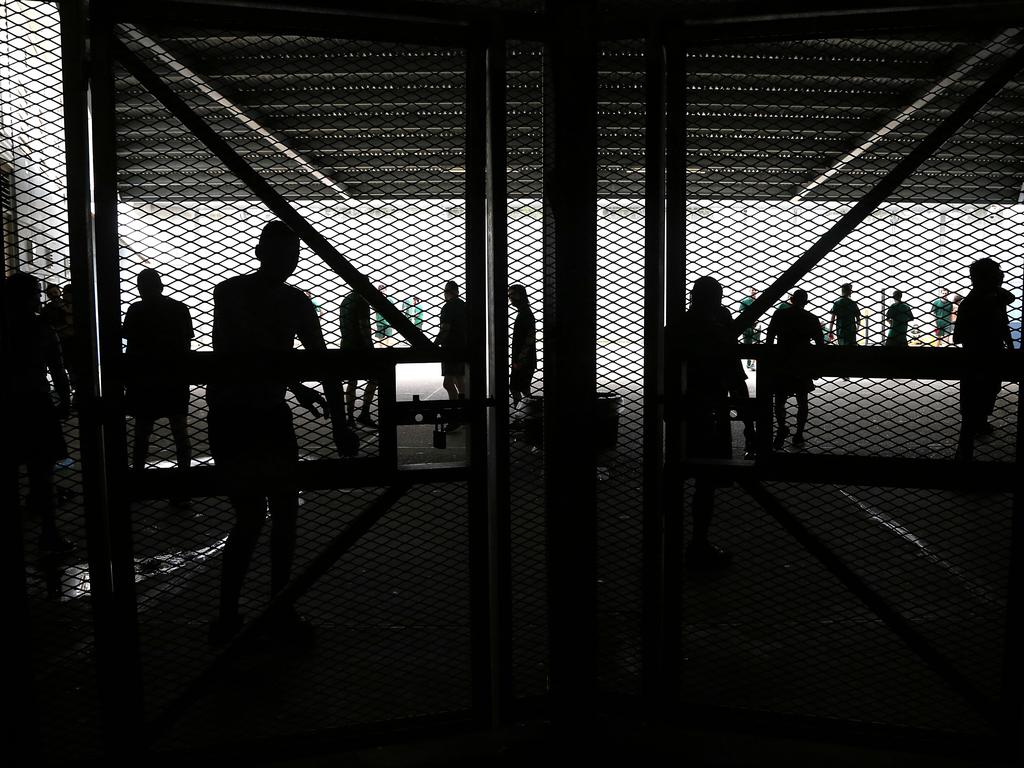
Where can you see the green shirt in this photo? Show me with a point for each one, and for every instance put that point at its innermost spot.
(899, 317)
(943, 311)
(846, 313)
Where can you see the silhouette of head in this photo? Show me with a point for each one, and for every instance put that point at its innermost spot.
(798, 298)
(846, 288)
(753, 293)
(278, 251)
(985, 273)
(517, 295)
(150, 284)
(451, 290)
(897, 295)
(53, 292)
(706, 293)
(22, 293)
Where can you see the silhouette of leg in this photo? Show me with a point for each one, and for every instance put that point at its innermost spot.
(284, 513)
(780, 419)
(350, 401)
(183, 453)
(250, 511)
(143, 429)
(40, 489)
(364, 413)
(801, 416)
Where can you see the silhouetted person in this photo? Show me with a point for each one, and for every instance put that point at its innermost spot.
(714, 378)
(845, 320)
(32, 431)
(524, 345)
(158, 331)
(942, 311)
(356, 334)
(898, 317)
(750, 333)
(795, 329)
(413, 310)
(983, 329)
(256, 317)
(453, 340)
(384, 329)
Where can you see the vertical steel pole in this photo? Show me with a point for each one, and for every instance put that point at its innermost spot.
(655, 635)
(570, 360)
(675, 304)
(481, 369)
(111, 562)
(498, 447)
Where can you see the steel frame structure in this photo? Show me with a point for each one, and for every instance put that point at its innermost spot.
(570, 31)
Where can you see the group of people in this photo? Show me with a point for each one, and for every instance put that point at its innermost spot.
(257, 318)
(716, 382)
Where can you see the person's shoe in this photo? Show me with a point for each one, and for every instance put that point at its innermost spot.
(798, 439)
(56, 545)
(705, 557)
(780, 437)
(366, 421)
(223, 629)
(290, 628)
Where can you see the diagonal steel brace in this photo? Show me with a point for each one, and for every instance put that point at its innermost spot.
(900, 172)
(270, 197)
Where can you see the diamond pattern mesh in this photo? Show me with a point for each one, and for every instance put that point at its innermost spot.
(34, 237)
(782, 139)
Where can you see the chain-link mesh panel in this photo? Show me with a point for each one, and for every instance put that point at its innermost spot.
(366, 141)
(778, 632)
(525, 222)
(34, 240)
(620, 359)
(783, 138)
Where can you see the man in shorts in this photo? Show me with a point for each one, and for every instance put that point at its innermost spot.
(256, 319)
(845, 320)
(356, 334)
(751, 334)
(942, 310)
(898, 316)
(795, 329)
(158, 331)
(453, 340)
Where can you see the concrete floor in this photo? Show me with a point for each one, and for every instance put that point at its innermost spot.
(776, 632)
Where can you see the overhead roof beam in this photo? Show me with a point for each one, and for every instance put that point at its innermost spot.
(137, 38)
(994, 47)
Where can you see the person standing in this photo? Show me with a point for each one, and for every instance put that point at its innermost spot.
(384, 329)
(32, 433)
(795, 329)
(413, 310)
(356, 334)
(898, 316)
(158, 331)
(942, 311)
(845, 321)
(524, 345)
(751, 334)
(983, 329)
(256, 319)
(453, 340)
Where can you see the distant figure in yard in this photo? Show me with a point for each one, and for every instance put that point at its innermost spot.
(524, 345)
(715, 383)
(453, 339)
(256, 319)
(384, 329)
(982, 328)
(751, 334)
(32, 433)
(795, 329)
(356, 334)
(898, 316)
(158, 331)
(942, 311)
(845, 321)
(413, 310)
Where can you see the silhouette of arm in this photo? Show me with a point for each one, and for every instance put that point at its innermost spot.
(55, 366)
(311, 336)
(773, 331)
